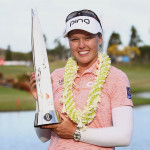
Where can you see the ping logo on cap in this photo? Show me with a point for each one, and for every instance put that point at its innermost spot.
(87, 21)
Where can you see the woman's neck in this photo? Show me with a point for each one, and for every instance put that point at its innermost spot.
(83, 67)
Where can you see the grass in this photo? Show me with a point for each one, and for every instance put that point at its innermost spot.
(138, 74)
(10, 96)
(14, 71)
(140, 101)
(57, 64)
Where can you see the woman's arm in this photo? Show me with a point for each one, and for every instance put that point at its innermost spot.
(119, 134)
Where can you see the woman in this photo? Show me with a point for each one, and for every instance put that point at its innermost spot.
(92, 97)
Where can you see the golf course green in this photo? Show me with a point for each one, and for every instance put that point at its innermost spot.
(15, 100)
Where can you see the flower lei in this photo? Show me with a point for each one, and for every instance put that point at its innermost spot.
(87, 115)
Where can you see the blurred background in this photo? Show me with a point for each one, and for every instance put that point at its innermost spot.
(126, 39)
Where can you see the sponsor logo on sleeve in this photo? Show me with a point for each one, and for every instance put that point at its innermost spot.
(129, 93)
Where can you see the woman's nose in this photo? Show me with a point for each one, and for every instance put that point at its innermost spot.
(81, 43)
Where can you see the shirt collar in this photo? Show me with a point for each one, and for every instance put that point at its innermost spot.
(92, 70)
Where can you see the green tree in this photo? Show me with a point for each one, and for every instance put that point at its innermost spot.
(59, 52)
(8, 53)
(1, 52)
(134, 38)
(145, 53)
(59, 49)
(21, 56)
(114, 39)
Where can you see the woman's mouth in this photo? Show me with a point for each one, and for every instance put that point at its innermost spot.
(83, 52)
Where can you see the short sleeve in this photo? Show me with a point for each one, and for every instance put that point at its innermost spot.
(120, 91)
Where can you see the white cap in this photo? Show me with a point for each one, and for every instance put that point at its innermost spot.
(85, 23)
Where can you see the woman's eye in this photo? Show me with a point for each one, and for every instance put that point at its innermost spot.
(88, 37)
(74, 39)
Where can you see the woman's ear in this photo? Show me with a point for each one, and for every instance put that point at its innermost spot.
(100, 40)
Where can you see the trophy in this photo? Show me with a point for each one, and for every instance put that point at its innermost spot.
(45, 110)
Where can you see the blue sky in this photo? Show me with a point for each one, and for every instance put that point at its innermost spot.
(115, 15)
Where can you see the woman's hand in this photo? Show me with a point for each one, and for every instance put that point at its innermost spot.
(65, 129)
(33, 86)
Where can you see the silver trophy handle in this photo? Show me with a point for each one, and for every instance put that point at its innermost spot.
(45, 111)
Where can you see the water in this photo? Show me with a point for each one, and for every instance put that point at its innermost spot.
(141, 132)
(17, 132)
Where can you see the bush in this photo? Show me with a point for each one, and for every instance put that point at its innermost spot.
(22, 82)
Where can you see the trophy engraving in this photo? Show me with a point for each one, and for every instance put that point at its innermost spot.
(45, 111)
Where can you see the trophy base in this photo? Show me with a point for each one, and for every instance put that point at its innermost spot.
(41, 118)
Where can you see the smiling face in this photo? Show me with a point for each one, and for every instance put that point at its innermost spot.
(84, 47)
